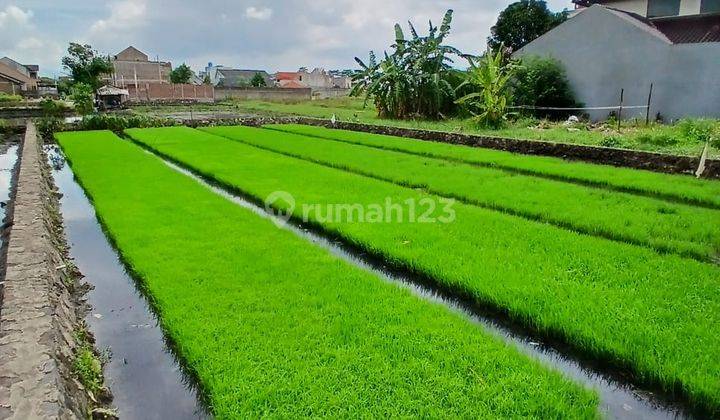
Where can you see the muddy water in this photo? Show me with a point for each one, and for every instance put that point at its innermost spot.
(143, 375)
(618, 399)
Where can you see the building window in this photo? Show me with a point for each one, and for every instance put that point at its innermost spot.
(660, 8)
(710, 6)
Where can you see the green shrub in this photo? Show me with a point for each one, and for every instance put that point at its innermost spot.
(4, 97)
(117, 123)
(701, 131)
(83, 97)
(612, 141)
(53, 108)
(662, 139)
(46, 126)
(542, 82)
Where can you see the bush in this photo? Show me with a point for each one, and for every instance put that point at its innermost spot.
(701, 131)
(83, 98)
(657, 139)
(4, 97)
(46, 126)
(116, 122)
(612, 141)
(53, 108)
(542, 82)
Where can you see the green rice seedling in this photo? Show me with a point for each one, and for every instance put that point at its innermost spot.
(668, 227)
(670, 187)
(655, 316)
(274, 326)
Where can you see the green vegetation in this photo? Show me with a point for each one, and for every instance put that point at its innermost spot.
(542, 82)
(490, 95)
(521, 23)
(680, 188)
(664, 226)
(86, 65)
(6, 98)
(257, 80)
(86, 365)
(275, 327)
(415, 79)
(632, 134)
(181, 74)
(656, 316)
(83, 96)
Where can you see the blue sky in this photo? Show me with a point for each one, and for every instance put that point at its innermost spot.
(269, 35)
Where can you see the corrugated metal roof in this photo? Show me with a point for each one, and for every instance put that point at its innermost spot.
(690, 29)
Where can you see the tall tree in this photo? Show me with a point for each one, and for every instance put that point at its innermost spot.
(85, 65)
(181, 74)
(258, 80)
(523, 22)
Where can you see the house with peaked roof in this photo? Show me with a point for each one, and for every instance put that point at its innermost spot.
(16, 78)
(132, 66)
(609, 46)
(239, 77)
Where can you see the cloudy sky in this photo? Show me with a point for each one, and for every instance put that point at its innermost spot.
(262, 34)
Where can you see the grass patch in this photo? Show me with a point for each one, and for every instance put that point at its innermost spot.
(274, 326)
(672, 187)
(86, 365)
(645, 221)
(657, 316)
(633, 134)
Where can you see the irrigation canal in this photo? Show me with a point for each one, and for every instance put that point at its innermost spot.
(145, 377)
(143, 374)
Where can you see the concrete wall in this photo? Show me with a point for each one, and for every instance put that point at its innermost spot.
(635, 6)
(326, 93)
(604, 52)
(263, 94)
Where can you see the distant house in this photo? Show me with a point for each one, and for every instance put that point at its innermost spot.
(316, 79)
(229, 77)
(613, 45)
(16, 78)
(132, 66)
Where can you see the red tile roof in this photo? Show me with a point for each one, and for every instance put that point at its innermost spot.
(287, 75)
(291, 84)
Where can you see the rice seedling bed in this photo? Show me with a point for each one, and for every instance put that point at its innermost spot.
(274, 326)
(682, 188)
(654, 315)
(667, 227)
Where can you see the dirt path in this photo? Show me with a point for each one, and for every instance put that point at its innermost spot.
(38, 311)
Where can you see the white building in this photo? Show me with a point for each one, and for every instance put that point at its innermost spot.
(609, 46)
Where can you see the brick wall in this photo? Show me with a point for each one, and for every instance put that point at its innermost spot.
(153, 92)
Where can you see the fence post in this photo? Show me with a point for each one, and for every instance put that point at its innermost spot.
(647, 115)
(619, 116)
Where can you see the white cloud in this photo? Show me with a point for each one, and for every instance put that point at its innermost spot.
(31, 43)
(123, 15)
(14, 15)
(253, 12)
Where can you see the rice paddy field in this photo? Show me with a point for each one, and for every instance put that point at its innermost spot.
(617, 265)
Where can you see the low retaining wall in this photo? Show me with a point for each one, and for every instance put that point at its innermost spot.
(38, 310)
(264, 94)
(602, 155)
(327, 93)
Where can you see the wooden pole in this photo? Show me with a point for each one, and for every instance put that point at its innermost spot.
(619, 116)
(647, 115)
